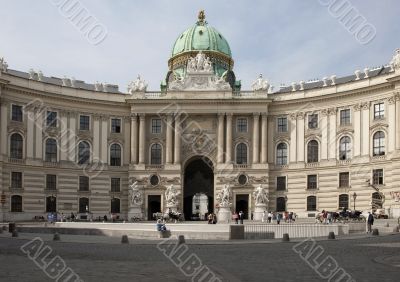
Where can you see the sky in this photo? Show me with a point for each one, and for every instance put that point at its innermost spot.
(287, 41)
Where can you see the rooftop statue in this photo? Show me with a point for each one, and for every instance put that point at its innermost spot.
(139, 85)
(260, 84)
(3, 65)
(395, 63)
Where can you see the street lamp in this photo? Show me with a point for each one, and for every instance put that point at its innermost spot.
(354, 199)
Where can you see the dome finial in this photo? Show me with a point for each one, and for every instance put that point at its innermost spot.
(201, 17)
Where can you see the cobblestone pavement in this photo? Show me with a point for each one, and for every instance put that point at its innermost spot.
(364, 258)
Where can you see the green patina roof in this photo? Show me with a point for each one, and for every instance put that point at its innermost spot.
(201, 37)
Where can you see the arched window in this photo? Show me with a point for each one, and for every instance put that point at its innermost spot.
(115, 205)
(16, 203)
(379, 143)
(156, 153)
(280, 204)
(51, 150)
(84, 152)
(281, 154)
(311, 203)
(51, 204)
(345, 148)
(312, 151)
(83, 205)
(343, 201)
(241, 153)
(16, 146)
(115, 155)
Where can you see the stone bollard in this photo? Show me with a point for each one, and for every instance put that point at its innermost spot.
(396, 229)
(375, 232)
(124, 239)
(331, 235)
(56, 237)
(181, 239)
(285, 237)
(14, 233)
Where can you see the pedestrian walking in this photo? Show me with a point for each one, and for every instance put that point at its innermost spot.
(370, 222)
(236, 217)
(278, 218)
(269, 217)
(241, 216)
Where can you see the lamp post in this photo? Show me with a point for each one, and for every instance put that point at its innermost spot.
(354, 199)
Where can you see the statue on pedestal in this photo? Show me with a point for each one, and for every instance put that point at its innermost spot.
(224, 197)
(135, 195)
(3, 65)
(171, 195)
(139, 85)
(260, 84)
(260, 196)
(395, 63)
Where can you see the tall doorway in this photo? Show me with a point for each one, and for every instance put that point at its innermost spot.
(154, 205)
(198, 184)
(242, 204)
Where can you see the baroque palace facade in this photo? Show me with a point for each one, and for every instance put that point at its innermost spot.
(69, 146)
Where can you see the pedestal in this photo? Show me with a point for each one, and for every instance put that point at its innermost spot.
(224, 215)
(135, 212)
(259, 211)
(395, 210)
(173, 208)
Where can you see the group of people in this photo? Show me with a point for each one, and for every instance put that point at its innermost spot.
(277, 217)
(238, 217)
(212, 218)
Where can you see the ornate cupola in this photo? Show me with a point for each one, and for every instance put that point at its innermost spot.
(206, 39)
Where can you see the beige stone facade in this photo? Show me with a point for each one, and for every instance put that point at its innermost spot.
(311, 146)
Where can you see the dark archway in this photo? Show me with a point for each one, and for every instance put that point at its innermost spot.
(198, 179)
(154, 205)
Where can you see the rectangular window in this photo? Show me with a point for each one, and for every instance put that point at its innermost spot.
(83, 183)
(345, 117)
(311, 181)
(116, 125)
(84, 122)
(377, 178)
(156, 126)
(344, 180)
(313, 121)
(51, 120)
(311, 203)
(51, 182)
(281, 183)
(241, 125)
(379, 111)
(16, 113)
(115, 184)
(282, 124)
(16, 180)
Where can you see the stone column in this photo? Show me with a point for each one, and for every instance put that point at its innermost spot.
(104, 136)
(220, 137)
(332, 133)
(142, 138)
(168, 152)
(64, 136)
(397, 97)
(30, 131)
(134, 138)
(392, 124)
(271, 140)
(256, 138)
(72, 136)
(177, 143)
(357, 130)
(228, 149)
(39, 126)
(96, 136)
(365, 118)
(3, 130)
(300, 137)
(324, 130)
(264, 133)
(293, 138)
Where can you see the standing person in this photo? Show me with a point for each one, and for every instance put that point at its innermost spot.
(370, 222)
(264, 216)
(278, 218)
(269, 217)
(241, 215)
(236, 217)
(210, 218)
(329, 217)
(290, 217)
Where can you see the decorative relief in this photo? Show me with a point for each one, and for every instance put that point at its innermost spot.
(332, 111)
(325, 112)
(293, 116)
(365, 105)
(357, 107)
(300, 115)
(392, 100)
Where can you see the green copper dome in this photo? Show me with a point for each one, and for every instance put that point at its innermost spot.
(201, 37)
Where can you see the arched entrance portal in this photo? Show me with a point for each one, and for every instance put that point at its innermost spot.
(198, 183)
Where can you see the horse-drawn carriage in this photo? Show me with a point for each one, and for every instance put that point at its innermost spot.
(344, 216)
(170, 216)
